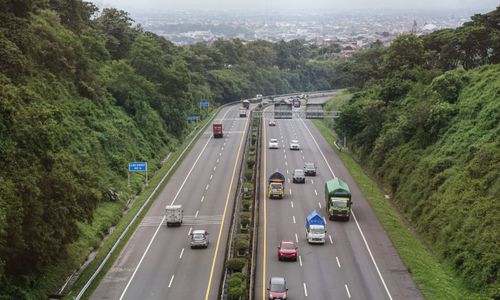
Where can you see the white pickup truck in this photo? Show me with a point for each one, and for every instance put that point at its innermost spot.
(173, 215)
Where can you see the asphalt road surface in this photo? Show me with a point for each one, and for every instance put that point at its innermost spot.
(157, 262)
(358, 261)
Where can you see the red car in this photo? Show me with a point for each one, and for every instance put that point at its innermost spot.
(287, 250)
(277, 288)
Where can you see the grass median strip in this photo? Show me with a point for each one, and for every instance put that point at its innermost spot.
(434, 279)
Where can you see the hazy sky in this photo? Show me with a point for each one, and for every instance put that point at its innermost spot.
(166, 5)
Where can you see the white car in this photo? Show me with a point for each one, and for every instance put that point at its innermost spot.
(294, 145)
(273, 144)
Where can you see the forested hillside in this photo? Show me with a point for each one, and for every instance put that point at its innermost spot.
(82, 93)
(426, 121)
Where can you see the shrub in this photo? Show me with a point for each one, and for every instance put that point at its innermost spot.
(235, 293)
(245, 218)
(246, 204)
(241, 243)
(250, 162)
(235, 264)
(248, 174)
(234, 282)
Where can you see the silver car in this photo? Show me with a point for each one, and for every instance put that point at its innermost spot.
(299, 176)
(199, 239)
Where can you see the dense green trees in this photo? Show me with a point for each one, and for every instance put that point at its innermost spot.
(82, 93)
(430, 131)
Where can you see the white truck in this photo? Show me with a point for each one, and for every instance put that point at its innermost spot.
(173, 215)
(315, 228)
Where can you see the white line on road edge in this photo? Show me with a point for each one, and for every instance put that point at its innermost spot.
(300, 260)
(355, 219)
(142, 258)
(294, 220)
(196, 214)
(291, 203)
(171, 280)
(305, 289)
(331, 240)
(296, 238)
(338, 261)
(316, 192)
(347, 289)
(182, 252)
(202, 198)
(111, 251)
(190, 229)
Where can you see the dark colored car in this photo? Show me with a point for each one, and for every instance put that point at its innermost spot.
(310, 169)
(287, 250)
(277, 288)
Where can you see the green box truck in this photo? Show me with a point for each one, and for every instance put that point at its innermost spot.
(338, 199)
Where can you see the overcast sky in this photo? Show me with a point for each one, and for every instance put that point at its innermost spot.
(166, 5)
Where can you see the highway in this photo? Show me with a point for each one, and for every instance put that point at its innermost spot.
(157, 262)
(358, 261)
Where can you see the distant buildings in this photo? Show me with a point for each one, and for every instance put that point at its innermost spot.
(352, 31)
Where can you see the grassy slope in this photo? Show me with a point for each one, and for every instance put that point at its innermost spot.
(435, 279)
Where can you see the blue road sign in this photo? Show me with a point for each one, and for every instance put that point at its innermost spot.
(137, 166)
(193, 118)
(204, 104)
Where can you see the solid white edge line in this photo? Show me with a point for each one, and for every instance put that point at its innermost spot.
(142, 258)
(182, 252)
(355, 219)
(171, 280)
(347, 289)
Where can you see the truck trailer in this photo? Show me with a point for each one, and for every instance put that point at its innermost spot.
(173, 215)
(217, 130)
(338, 199)
(276, 185)
(245, 104)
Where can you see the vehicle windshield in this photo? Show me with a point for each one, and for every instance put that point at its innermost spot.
(288, 246)
(316, 230)
(309, 166)
(198, 236)
(339, 203)
(280, 288)
(275, 186)
(274, 140)
(299, 172)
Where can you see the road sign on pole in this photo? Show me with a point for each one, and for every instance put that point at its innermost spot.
(204, 104)
(137, 167)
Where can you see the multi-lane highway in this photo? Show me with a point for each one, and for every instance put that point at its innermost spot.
(157, 262)
(358, 261)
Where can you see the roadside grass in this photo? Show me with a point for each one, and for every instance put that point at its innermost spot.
(435, 280)
(106, 215)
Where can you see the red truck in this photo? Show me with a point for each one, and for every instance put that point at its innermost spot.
(217, 129)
